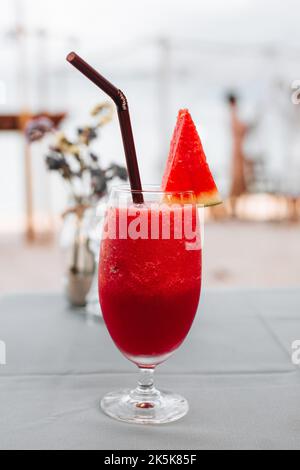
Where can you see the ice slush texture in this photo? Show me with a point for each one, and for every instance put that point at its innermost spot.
(149, 290)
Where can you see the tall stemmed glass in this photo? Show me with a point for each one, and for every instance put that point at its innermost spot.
(149, 289)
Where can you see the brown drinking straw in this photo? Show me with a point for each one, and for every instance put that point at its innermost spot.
(124, 118)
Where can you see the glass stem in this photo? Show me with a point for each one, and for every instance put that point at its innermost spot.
(146, 381)
(145, 395)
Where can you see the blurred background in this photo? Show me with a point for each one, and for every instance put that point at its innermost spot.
(234, 64)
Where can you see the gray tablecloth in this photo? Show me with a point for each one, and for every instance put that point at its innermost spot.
(235, 369)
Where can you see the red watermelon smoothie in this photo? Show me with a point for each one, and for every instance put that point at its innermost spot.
(149, 287)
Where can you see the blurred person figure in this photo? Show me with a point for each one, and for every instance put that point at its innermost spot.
(239, 131)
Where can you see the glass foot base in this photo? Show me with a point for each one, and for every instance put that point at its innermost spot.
(136, 408)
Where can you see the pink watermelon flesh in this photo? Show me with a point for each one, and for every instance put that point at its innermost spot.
(187, 168)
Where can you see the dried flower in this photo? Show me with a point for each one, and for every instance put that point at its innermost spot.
(74, 160)
(87, 135)
(53, 163)
(37, 128)
(116, 171)
(105, 111)
(66, 146)
(99, 181)
(57, 162)
(94, 157)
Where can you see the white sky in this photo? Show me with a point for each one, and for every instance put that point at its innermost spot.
(118, 21)
(120, 33)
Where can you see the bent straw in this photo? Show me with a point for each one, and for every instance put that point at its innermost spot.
(124, 118)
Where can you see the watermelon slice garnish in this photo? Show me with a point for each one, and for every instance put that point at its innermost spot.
(187, 168)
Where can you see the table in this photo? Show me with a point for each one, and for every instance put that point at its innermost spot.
(235, 369)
